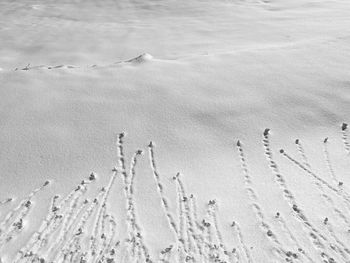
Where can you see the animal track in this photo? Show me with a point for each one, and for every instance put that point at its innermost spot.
(314, 234)
(78, 229)
(264, 225)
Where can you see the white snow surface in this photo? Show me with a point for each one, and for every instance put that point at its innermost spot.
(193, 76)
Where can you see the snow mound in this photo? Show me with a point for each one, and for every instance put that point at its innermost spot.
(141, 59)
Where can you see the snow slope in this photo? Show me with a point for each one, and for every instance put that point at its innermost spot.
(194, 77)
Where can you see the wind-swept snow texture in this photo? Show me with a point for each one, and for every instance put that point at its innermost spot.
(246, 106)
